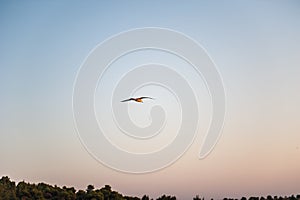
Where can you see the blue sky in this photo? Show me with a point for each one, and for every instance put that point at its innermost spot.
(255, 45)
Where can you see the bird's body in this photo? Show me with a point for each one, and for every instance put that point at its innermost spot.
(139, 99)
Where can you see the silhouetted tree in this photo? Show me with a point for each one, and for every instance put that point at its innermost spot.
(90, 188)
(145, 197)
(269, 197)
(110, 195)
(7, 189)
(197, 197)
(94, 195)
(28, 191)
(292, 197)
(80, 195)
(116, 196)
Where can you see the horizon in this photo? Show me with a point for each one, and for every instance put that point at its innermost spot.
(269, 197)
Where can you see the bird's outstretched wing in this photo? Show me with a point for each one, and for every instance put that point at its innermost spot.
(130, 99)
(146, 98)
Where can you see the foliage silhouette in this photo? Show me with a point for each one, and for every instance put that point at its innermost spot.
(42, 191)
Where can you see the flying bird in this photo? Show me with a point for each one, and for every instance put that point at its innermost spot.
(139, 99)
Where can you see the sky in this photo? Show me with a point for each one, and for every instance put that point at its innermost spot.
(254, 44)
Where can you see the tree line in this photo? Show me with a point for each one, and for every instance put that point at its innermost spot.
(42, 191)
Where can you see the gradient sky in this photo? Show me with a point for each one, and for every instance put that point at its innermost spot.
(255, 44)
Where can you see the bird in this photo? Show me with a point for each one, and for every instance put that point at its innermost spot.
(139, 99)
